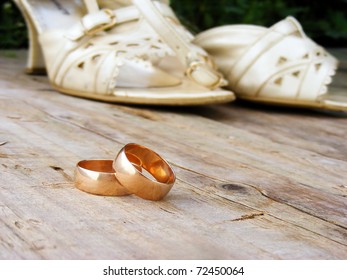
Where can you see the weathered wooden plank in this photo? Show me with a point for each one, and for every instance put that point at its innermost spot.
(252, 182)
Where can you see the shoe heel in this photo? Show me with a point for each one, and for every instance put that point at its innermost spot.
(35, 60)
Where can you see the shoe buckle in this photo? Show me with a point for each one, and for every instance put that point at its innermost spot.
(201, 72)
(103, 26)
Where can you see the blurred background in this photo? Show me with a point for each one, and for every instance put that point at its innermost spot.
(324, 21)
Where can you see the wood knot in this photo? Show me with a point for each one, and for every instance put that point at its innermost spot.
(234, 187)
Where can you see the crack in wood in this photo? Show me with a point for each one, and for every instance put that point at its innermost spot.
(248, 217)
(167, 210)
(61, 171)
(142, 114)
(56, 168)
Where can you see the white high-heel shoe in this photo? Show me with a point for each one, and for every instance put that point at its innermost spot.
(135, 53)
(277, 65)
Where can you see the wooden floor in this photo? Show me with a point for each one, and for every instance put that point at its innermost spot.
(254, 182)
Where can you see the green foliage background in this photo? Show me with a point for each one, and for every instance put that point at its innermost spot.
(324, 21)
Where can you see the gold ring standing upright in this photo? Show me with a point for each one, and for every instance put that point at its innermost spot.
(130, 165)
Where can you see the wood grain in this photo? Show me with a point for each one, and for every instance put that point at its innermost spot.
(254, 181)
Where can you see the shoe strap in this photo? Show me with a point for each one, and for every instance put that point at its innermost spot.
(199, 70)
(101, 20)
(92, 6)
(270, 38)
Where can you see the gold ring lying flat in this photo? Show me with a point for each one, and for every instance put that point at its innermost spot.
(98, 177)
(143, 172)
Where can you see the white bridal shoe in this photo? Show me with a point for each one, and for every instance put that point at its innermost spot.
(278, 65)
(135, 52)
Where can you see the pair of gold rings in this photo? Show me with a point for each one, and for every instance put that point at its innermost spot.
(135, 170)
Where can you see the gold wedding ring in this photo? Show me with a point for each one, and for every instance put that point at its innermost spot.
(98, 177)
(143, 172)
(136, 170)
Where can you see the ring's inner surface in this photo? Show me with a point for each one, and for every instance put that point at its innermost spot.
(104, 166)
(151, 162)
